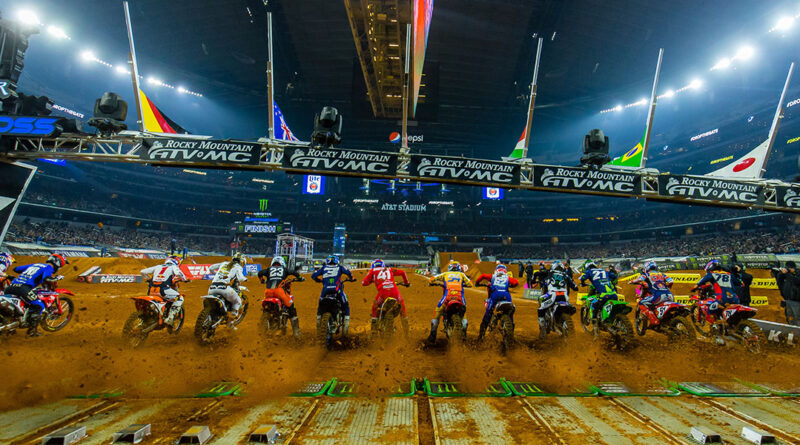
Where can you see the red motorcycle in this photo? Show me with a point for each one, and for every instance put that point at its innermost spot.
(58, 309)
(668, 317)
(734, 324)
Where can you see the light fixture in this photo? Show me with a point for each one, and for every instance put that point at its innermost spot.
(642, 101)
(28, 17)
(618, 108)
(669, 93)
(784, 23)
(745, 52)
(722, 64)
(181, 89)
(87, 55)
(57, 32)
(695, 83)
(121, 69)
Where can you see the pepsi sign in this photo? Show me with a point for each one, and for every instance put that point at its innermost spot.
(492, 193)
(27, 126)
(395, 138)
(313, 185)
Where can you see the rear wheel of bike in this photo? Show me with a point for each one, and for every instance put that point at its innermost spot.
(52, 321)
(242, 312)
(624, 332)
(132, 330)
(322, 329)
(387, 325)
(565, 324)
(586, 322)
(177, 323)
(507, 331)
(754, 339)
(640, 322)
(203, 330)
(699, 321)
(458, 329)
(680, 328)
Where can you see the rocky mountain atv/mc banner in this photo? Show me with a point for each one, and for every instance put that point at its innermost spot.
(335, 161)
(711, 189)
(205, 151)
(788, 196)
(450, 169)
(14, 179)
(585, 179)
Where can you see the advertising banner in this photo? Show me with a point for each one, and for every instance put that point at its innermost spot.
(447, 168)
(699, 262)
(114, 278)
(313, 185)
(14, 179)
(195, 271)
(585, 179)
(764, 283)
(335, 161)
(711, 189)
(779, 332)
(755, 261)
(788, 196)
(208, 151)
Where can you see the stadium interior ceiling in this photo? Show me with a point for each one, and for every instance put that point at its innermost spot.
(477, 69)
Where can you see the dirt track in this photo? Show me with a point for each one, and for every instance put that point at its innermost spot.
(89, 356)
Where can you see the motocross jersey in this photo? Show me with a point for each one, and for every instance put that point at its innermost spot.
(601, 280)
(723, 284)
(33, 274)
(227, 273)
(560, 282)
(331, 276)
(454, 283)
(164, 275)
(498, 282)
(656, 282)
(275, 275)
(383, 277)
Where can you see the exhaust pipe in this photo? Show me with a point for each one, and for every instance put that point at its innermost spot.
(9, 327)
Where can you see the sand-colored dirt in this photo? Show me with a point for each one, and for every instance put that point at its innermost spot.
(89, 355)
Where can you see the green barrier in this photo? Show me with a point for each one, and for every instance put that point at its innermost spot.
(451, 389)
(220, 389)
(313, 389)
(531, 389)
(774, 389)
(718, 389)
(340, 389)
(410, 392)
(618, 389)
(106, 394)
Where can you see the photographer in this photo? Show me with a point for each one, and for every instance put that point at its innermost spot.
(789, 285)
(743, 291)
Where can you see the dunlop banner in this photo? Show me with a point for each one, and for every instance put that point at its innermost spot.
(711, 189)
(764, 283)
(754, 301)
(447, 168)
(684, 278)
(335, 161)
(584, 179)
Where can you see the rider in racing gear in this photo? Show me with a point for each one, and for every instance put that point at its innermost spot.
(6, 260)
(656, 285)
(275, 277)
(723, 283)
(454, 282)
(559, 284)
(164, 277)
(227, 276)
(601, 285)
(499, 283)
(32, 276)
(383, 277)
(331, 280)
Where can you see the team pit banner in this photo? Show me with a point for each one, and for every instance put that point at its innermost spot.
(585, 179)
(206, 151)
(335, 161)
(711, 189)
(452, 169)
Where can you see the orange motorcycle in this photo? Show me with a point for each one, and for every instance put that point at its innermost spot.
(151, 309)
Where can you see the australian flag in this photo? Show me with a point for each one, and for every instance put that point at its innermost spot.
(282, 131)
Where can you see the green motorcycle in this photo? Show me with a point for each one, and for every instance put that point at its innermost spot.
(612, 319)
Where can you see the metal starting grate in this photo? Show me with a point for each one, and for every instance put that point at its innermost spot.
(313, 389)
(220, 389)
(719, 389)
(452, 389)
(619, 389)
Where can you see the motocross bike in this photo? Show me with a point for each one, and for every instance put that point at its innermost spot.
(502, 313)
(389, 310)
(215, 314)
(558, 317)
(151, 310)
(330, 325)
(733, 325)
(5, 282)
(668, 317)
(611, 319)
(274, 316)
(56, 315)
(454, 324)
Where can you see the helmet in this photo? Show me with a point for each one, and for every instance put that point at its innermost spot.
(279, 260)
(239, 258)
(542, 265)
(454, 266)
(650, 265)
(172, 261)
(332, 260)
(589, 264)
(713, 265)
(501, 268)
(377, 263)
(6, 258)
(57, 260)
(557, 265)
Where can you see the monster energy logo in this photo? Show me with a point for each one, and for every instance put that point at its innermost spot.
(262, 205)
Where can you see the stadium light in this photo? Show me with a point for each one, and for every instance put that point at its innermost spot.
(618, 108)
(784, 23)
(695, 84)
(745, 52)
(722, 64)
(669, 93)
(57, 32)
(121, 69)
(28, 17)
(88, 55)
(181, 89)
(642, 101)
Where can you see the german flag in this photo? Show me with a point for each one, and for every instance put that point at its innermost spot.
(155, 120)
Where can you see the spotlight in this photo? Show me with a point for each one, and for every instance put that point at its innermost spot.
(618, 108)
(57, 32)
(35, 105)
(327, 127)
(181, 89)
(722, 64)
(642, 101)
(745, 52)
(14, 35)
(784, 23)
(695, 83)
(87, 55)
(28, 17)
(669, 93)
(595, 149)
(121, 69)
(110, 112)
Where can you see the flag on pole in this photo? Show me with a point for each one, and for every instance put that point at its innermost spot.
(154, 120)
(633, 157)
(747, 167)
(282, 131)
(519, 149)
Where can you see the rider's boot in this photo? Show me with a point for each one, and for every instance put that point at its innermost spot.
(482, 331)
(404, 323)
(173, 311)
(542, 327)
(434, 328)
(716, 329)
(33, 325)
(346, 328)
(373, 326)
(295, 328)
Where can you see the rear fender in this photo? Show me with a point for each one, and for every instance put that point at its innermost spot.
(617, 308)
(65, 292)
(330, 305)
(563, 307)
(505, 307)
(739, 315)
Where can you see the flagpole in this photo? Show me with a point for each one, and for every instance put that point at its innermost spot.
(652, 111)
(134, 67)
(776, 121)
(534, 83)
(270, 85)
(404, 147)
